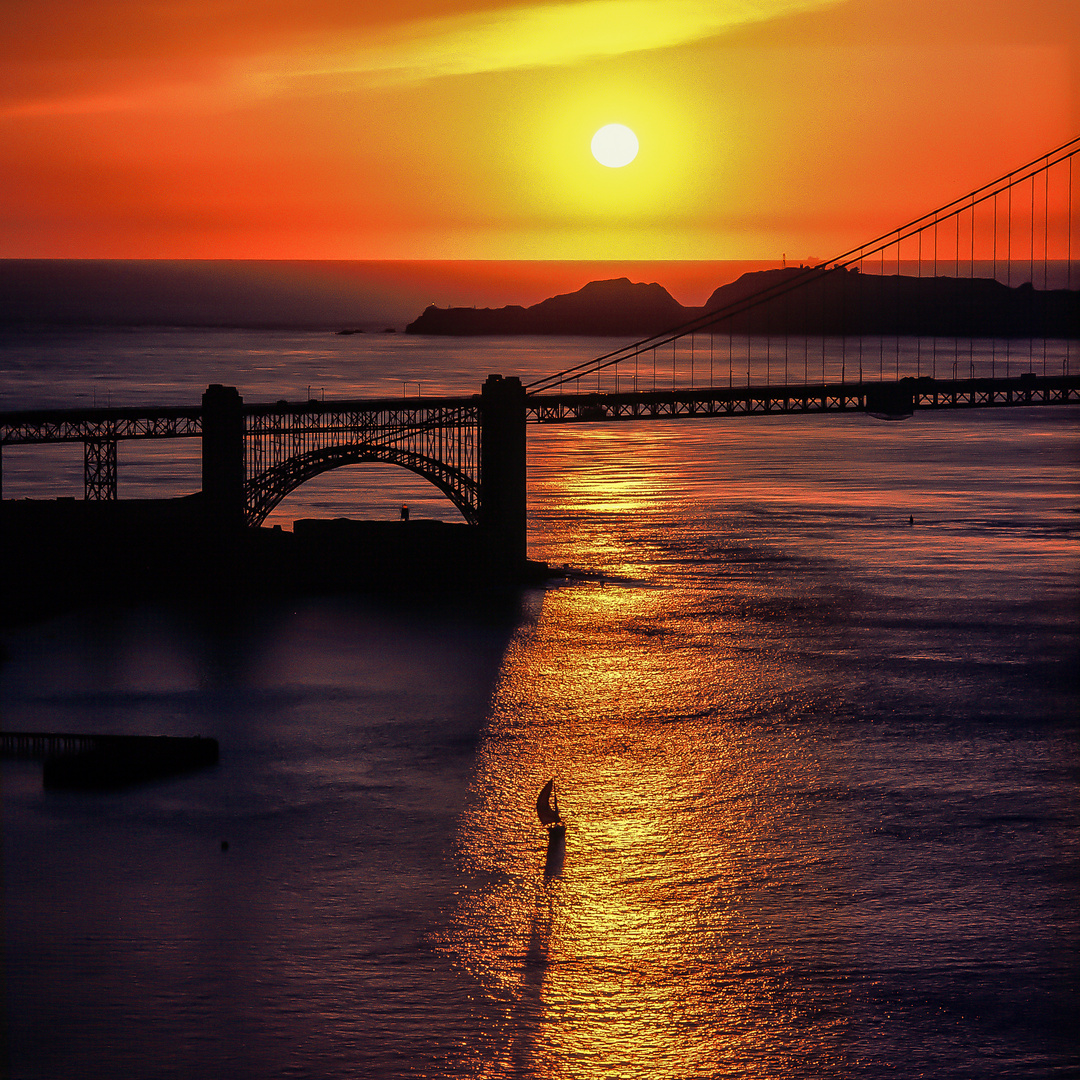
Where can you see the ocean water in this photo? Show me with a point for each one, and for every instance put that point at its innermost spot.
(818, 764)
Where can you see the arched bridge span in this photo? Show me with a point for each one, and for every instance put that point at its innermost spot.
(471, 448)
(263, 493)
(287, 445)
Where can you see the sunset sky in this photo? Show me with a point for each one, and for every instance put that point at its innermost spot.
(437, 129)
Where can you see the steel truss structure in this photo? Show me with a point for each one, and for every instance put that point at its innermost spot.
(99, 430)
(286, 444)
(924, 393)
(99, 469)
(1026, 389)
(79, 425)
(439, 439)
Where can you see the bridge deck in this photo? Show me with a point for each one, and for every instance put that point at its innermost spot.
(325, 417)
(923, 393)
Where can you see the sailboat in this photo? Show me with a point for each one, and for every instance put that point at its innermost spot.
(547, 810)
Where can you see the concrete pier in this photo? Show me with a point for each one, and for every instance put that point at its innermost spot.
(90, 762)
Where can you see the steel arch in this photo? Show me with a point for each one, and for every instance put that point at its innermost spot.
(263, 492)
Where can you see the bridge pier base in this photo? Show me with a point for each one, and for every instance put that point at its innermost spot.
(503, 469)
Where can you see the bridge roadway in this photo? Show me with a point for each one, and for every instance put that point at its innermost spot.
(888, 398)
(471, 447)
(430, 413)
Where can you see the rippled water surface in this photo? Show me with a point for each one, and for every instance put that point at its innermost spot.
(818, 764)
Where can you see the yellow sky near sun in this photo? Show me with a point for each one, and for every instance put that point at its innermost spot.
(326, 129)
(540, 35)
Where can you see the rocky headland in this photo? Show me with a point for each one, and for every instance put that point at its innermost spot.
(784, 301)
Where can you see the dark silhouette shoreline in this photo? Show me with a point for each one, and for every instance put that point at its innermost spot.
(802, 301)
(62, 554)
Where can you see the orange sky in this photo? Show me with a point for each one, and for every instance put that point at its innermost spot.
(350, 129)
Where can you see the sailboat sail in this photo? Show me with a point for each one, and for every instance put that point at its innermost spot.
(547, 805)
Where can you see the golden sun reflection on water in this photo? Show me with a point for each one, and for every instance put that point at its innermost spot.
(628, 961)
(598, 471)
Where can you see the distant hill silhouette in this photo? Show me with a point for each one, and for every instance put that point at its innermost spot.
(847, 302)
(616, 307)
(833, 302)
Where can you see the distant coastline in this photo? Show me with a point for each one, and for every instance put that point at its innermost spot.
(837, 302)
(372, 296)
(329, 295)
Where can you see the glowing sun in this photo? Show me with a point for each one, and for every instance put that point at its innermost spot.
(614, 145)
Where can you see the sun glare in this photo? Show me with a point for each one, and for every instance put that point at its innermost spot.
(614, 145)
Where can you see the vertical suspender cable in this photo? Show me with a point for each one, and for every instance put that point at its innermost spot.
(919, 314)
(1031, 276)
(993, 278)
(1068, 267)
(971, 277)
(1008, 275)
(898, 305)
(730, 365)
(1046, 247)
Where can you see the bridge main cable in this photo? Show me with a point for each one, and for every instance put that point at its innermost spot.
(879, 244)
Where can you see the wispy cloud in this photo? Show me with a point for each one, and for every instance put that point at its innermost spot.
(533, 36)
(526, 36)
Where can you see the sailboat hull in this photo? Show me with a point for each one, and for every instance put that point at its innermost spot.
(556, 850)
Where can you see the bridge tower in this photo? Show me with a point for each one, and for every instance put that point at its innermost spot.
(503, 512)
(223, 457)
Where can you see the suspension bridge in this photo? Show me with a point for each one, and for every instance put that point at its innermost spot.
(973, 305)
